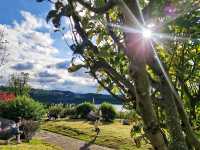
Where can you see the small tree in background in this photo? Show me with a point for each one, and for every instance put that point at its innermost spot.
(68, 110)
(108, 112)
(18, 84)
(55, 111)
(84, 109)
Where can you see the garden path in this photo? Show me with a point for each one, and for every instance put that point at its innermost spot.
(67, 143)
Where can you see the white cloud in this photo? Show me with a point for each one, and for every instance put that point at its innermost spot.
(30, 22)
(32, 48)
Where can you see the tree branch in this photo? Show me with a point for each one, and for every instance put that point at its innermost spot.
(148, 9)
(102, 64)
(107, 88)
(100, 10)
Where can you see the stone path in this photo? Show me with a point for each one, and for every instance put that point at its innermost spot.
(67, 143)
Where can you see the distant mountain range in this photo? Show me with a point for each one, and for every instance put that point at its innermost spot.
(67, 97)
(55, 96)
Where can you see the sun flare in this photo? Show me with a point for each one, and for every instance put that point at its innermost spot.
(146, 33)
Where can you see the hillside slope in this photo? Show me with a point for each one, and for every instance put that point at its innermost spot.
(55, 96)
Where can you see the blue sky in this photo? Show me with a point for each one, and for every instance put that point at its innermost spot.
(10, 9)
(34, 48)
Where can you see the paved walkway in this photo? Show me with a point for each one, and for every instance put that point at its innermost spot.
(67, 143)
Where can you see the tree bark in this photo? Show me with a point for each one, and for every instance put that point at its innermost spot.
(172, 118)
(138, 72)
(192, 139)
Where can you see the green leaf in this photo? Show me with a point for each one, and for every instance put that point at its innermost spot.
(99, 3)
(51, 14)
(74, 68)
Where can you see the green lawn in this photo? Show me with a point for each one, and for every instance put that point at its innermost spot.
(33, 145)
(114, 135)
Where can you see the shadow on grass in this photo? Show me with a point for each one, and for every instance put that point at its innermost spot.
(102, 123)
(76, 120)
(86, 146)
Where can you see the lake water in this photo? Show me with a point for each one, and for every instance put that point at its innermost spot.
(117, 107)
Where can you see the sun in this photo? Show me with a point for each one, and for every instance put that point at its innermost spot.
(146, 33)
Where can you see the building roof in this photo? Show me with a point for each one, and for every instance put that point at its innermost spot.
(6, 96)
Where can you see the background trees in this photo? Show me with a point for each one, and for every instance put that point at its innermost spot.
(3, 51)
(151, 75)
(18, 84)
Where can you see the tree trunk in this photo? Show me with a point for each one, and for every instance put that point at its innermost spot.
(192, 139)
(138, 72)
(173, 121)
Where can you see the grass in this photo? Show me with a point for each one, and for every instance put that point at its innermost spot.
(35, 144)
(113, 135)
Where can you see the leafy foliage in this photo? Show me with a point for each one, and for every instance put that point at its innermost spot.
(84, 109)
(106, 54)
(108, 111)
(24, 107)
(29, 128)
(18, 84)
(55, 111)
(68, 110)
(130, 115)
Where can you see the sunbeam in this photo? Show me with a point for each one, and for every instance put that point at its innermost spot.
(164, 72)
(140, 12)
(150, 35)
(147, 33)
(132, 18)
(124, 28)
(170, 37)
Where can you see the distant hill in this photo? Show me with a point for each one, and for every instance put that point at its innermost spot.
(56, 96)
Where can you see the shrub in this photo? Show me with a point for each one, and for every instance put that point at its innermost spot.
(55, 111)
(83, 109)
(121, 114)
(108, 112)
(2, 105)
(24, 107)
(68, 110)
(129, 115)
(29, 128)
